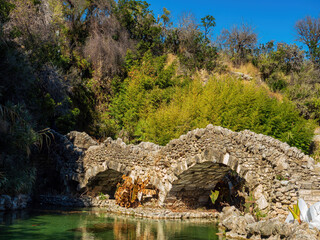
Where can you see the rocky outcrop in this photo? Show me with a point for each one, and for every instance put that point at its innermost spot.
(242, 76)
(81, 140)
(186, 169)
(237, 226)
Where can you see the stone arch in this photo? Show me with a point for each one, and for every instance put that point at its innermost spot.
(196, 176)
(103, 177)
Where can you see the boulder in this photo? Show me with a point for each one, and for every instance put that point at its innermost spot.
(81, 140)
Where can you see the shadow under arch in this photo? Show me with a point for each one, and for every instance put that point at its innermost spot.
(103, 178)
(195, 177)
(104, 182)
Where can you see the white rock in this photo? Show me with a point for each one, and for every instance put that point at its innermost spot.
(262, 203)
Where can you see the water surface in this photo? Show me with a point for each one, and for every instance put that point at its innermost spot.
(96, 224)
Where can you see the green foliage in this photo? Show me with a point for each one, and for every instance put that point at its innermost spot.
(280, 178)
(16, 139)
(61, 115)
(277, 81)
(140, 22)
(17, 178)
(149, 85)
(83, 99)
(304, 91)
(102, 196)
(284, 58)
(251, 207)
(67, 122)
(214, 196)
(231, 104)
(208, 22)
(202, 56)
(17, 129)
(5, 8)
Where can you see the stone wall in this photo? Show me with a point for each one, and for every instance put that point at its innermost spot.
(190, 166)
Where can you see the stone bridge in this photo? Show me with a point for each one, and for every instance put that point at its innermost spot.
(189, 167)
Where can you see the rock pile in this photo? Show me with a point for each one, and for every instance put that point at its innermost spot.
(237, 226)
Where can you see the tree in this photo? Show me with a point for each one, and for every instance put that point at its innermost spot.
(136, 17)
(283, 57)
(208, 22)
(195, 50)
(308, 30)
(239, 41)
(165, 17)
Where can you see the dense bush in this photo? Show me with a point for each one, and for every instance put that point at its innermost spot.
(150, 84)
(285, 58)
(17, 174)
(231, 104)
(277, 81)
(304, 91)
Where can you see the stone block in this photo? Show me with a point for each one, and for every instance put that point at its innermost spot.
(262, 203)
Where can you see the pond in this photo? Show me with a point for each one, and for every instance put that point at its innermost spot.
(97, 224)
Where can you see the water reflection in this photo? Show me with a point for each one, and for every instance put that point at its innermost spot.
(96, 225)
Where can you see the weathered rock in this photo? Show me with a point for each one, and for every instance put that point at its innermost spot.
(249, 218)
(303, 234)
(81, 140)
(230, 219)
(262, 203)
(268, 228)
(109, 205)
(242, 75)
(227, 212)
(234, 235)
(13, 203)
(236, 224)
(275, 229)
(275, 237)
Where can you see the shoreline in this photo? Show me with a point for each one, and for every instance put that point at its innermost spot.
(109, 205)
(231, 223)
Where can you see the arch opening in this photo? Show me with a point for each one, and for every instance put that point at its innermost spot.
(193, 187)
(104, 182)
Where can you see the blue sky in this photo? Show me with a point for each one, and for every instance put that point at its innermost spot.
(273, 20)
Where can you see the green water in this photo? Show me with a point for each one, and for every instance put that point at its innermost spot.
(97, 224)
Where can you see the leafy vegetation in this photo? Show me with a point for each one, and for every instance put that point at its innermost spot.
(250, 206)
(232, 104)
(214, 196)
(295, 212)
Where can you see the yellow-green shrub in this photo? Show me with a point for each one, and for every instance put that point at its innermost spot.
(228, 103)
